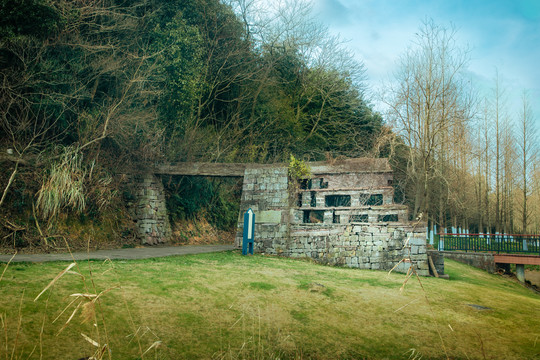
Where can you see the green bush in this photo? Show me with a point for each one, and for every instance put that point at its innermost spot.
(298, 169)
(192, 196)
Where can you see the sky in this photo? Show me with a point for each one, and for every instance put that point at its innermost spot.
(502, 35)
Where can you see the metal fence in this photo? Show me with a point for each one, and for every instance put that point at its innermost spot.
(494, 243)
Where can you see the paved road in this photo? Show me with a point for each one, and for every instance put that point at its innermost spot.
(119, 254)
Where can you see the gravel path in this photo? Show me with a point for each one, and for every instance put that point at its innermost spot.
(120, 254)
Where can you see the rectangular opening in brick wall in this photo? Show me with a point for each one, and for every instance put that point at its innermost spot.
(337, 200)
(313, 216)
(335, 218)
(317, 183)
(313, 202)
(371, 199)
(299, 201)
(359, 218)
(387, 218)
(390, 182)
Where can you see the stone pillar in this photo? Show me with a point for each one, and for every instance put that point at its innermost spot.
(265, 191)
(153, 225)
(520, 272)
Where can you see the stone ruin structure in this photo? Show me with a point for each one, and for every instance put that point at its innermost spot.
(343, 215)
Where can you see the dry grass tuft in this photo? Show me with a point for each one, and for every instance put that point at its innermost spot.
(6, 267)
(88, 312)
(53, 281)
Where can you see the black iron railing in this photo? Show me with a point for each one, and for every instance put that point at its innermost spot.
(496, 243)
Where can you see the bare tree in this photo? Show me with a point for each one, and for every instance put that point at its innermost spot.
(499, 118)
(427, 105)
(527, 145)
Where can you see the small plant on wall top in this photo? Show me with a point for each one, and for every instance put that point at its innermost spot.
(299, 173)
(298, 170)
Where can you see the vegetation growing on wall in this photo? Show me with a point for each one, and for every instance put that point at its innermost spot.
(298, 170)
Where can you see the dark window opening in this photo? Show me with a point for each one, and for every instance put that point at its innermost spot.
(319, 183)
(337, 200)
(336, 218)
(313, 216)
(299, 202)
(313, 202)
(390, 182)
(371, 199)
(305, 184)
(387, 218)
(359, 218)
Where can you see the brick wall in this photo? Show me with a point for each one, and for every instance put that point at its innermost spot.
(478, 260)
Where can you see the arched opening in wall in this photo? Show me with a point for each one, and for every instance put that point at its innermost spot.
(202, 210)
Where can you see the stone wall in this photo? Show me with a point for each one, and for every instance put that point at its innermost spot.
(483, 261)
(373, 246)
(150, 213)
(336, 238)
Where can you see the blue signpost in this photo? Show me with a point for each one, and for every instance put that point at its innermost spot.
(249, 232)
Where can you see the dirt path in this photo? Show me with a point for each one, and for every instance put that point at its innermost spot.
(117, 254)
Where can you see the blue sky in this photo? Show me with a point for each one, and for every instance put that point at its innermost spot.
(502, 35)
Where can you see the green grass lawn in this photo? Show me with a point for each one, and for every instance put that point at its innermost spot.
(226, 306)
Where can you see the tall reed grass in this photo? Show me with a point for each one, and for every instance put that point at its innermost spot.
(63, 186)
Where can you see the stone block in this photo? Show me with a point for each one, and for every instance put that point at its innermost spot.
(422, 272)
(268, 216)
(417, 241)
(403, 267)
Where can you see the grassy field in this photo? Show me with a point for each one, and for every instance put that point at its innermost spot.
(226, 306)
